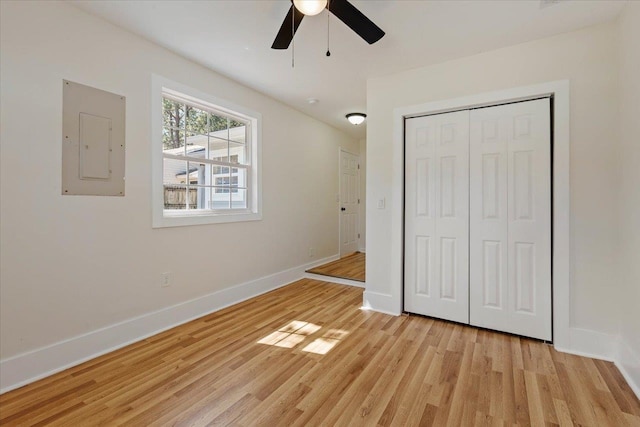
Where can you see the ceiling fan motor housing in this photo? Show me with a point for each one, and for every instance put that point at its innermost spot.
(342, 9)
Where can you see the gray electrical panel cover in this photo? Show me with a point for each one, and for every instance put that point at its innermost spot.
(93, 146)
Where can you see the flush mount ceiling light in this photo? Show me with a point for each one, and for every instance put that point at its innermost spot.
(356, 118)
(310, 7)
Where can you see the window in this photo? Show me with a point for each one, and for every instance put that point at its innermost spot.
(223, 185)
(205, 158)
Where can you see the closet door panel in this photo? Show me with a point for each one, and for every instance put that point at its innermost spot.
(488, 213)
(436, 216)
(510, 218)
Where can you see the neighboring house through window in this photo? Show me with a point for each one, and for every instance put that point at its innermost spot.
(208, 152)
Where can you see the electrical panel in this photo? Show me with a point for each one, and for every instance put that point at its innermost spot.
(93, 141)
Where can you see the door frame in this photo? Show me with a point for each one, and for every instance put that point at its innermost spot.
(340, 151)
(560, 137)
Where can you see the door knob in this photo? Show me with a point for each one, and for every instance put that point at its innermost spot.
(343, 209)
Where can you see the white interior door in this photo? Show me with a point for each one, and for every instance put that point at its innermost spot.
(437, 216)
(349, 201)
(510, 218)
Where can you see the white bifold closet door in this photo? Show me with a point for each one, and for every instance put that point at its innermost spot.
(437, 216)
(510, 218)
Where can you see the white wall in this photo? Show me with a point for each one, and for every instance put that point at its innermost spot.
(629, 190)
(588, 59)
(363, 195)
(71, 265)
(602, 66)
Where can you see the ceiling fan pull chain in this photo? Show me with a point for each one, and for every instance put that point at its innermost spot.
(328, 16)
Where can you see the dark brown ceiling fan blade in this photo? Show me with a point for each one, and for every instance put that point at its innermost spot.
(356, 20)
(285, 35)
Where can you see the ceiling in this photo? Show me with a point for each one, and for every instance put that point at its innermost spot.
(234, 38)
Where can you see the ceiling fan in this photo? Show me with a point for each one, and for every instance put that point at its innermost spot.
(342, 9)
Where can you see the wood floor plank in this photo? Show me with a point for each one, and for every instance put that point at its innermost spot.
(536, 411)
(388, 384)
(307, 355)
(410, 398)
(621, 392)
(350, 267)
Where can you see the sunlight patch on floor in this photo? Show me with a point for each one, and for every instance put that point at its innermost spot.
(296, 332)
(290, 335)
(325, 343)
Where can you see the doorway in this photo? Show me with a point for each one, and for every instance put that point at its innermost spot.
(349, 203)
(349, 267)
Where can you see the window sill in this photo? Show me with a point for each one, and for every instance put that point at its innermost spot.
(180, 219)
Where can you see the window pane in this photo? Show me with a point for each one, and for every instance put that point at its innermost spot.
(239, 199)
(197, 120)
(196, 173)
(222, 192)
(202, 197)
(238, 133)
(218, 124)
(173, 141)
(223, 183)
(238, 153)
(235, 123)
(219, 137)
(196, 145)
(218, 150)
(174, 171)
(218, 171)
(175, 197)
(220, 198)
(173, 113)
(239, 178)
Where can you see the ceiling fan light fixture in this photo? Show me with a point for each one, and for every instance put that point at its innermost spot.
(356, 118)
(310, 7)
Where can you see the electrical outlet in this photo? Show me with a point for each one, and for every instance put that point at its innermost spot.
(165, 280)
(311, 252)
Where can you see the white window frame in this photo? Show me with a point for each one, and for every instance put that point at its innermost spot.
(175, 218)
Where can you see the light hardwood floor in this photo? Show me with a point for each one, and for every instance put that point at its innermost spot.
(306, 354)
(349, 267)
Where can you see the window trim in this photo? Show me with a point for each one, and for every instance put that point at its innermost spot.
(164, 218)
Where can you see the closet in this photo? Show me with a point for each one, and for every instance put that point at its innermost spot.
(478, 217)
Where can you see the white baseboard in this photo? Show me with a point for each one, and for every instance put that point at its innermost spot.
(377, 301)
(585, 342)
(25, 368)
(331, 279)
(628, 362)
(363, 250)
(322, 261)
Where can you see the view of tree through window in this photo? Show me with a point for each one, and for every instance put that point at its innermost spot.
(205, 158)
(180, 118)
